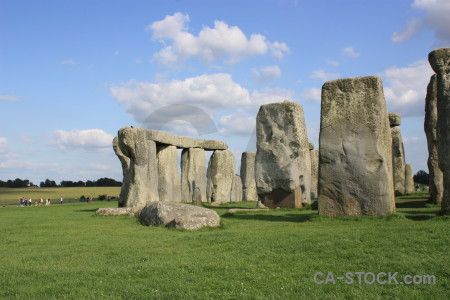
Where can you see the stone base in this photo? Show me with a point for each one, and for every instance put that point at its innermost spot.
(282, 199)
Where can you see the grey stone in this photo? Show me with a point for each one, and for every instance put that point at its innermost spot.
(314, 154)
(197, 197)
(440, 62)
(141, 184)
(178, 215)
(193, 173)
(394, 119)
(311, 146)
(236, 189)
(248, 176)
(118, 211)
(398, 161)
(355, 169)
(436, 183)
(283, 166)
(220, 174)
(125, 162)
(409, 179)
(169, 187)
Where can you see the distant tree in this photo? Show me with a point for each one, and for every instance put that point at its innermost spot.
(90, 183)
(2, 183)
(107, 182)
(80, 183)
(421, 177)
(48, 183)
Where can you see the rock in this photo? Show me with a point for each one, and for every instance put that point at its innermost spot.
(283, 166)
(125, 162)
(118, 211)
(169, 180)
(436, 184)
(394, 119)
(197, 197)
(440, 62)
(162, 137)
(314, 155)
(141, 184)
(193, 173)
(220, 174)
(398, 161)
(409, 179)
(178, 215)
(355, 169)
(311, 146)
(248, 176)
(236, 189)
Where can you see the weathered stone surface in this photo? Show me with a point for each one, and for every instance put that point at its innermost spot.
(248, 176)
(355, 170)
(430, 125)
(236, 189)
(118, 211)
(283, 165)
(197, 197)
(220, 174)
(440, 62)
(169, 187)
(311, 146)
(409, 179)
(394, 119)
(162, 137)
(178, 215)
(314, 155)
(141, 185)
(398, 161)
(193, 173)
(125, 162)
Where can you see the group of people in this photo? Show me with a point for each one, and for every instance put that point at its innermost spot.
(29, 202)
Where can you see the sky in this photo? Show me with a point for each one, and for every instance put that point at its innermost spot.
(72, 73)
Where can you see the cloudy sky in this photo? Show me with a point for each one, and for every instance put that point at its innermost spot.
(73, 72)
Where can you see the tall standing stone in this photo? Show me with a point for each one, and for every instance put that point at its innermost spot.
(409, 179)
(220, 174)
(193, 173)
(236, 189)
(440, 62)
(355, 171)
(314, 154)
(141, 186)
(436, 182)
(398, 155)
(169, 179)
(125, 162)
(283, 165)
(248, 176)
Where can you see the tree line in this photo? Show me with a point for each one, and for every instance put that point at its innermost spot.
(19, 183)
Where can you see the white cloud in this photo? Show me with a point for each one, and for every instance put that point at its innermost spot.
(321, 74)
(89, 139)
(9, 97)
(70, 62)
(436, 18)
(350, 51)
(405, 88)
(269, 95)
(222, 41)
(231, 125)
(313, 94)
(3, 145)
(266, 74)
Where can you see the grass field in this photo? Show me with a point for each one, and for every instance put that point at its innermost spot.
(67, 252)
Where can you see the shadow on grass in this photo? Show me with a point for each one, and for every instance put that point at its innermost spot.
(295, 218)
(86, 210)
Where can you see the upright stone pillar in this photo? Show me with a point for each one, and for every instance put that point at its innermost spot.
(141, 185)
(436, 183)
(193, 173)
(314, 155)
(283, 165)
(440, 62)
(398, 155)
(248, 176)
(220, 174)
(125, 162)
(236, 189)
(409, 179)
(169, 179)
(355, 169)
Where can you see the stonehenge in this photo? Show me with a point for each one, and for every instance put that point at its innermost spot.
(220, 175)
(439, 60)
(248, 176)
(355, 153)
(193, 173)
(282, 163)
(398, 155)
(314, 156)
(409, 179)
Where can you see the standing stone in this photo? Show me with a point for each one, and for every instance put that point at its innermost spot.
(355, 170)
(197, 197)
(125, 162)
(314, 155)
(169, 179)
(440, 62)
(236, 189)
(248, 176)
(409, 179)
(283, 165)
(398, 155)
(436, 183)
(141, 186)
(193, 173)
(220, 174)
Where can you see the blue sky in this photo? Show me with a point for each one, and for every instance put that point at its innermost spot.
(73, 72)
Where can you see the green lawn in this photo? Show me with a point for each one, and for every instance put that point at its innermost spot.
(67, 252)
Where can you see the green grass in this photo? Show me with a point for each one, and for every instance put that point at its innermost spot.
(67, 252)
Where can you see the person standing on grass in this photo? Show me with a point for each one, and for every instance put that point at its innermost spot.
(61, 200)
(25, 202)
(30, 202)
